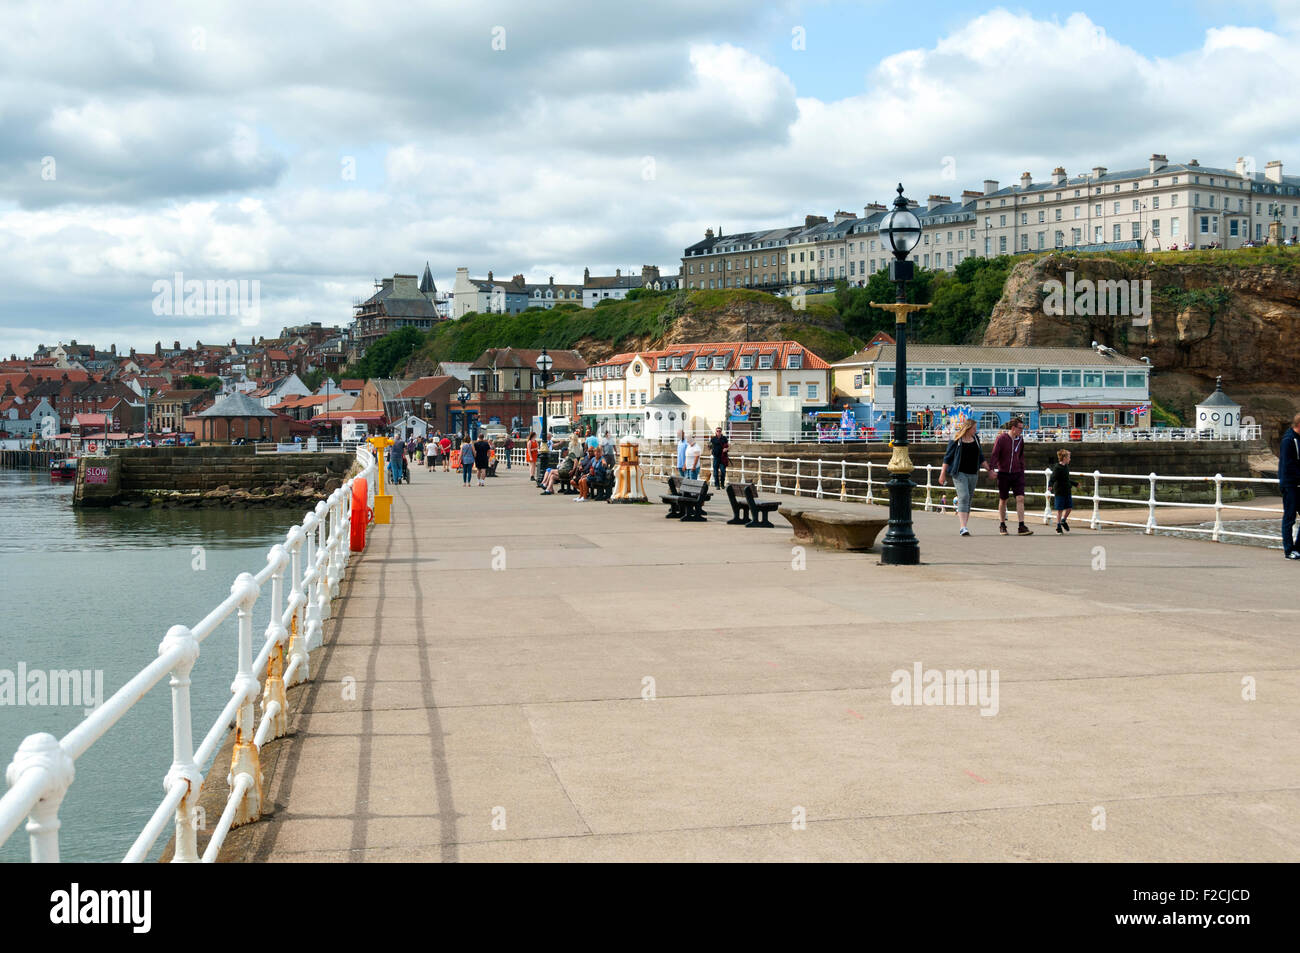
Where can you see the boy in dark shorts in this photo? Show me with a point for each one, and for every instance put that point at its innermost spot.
(1062, 489)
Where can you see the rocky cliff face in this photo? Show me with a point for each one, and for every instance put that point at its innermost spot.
(1205, 319)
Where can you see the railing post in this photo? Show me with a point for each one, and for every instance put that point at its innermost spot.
(843, 481)
(322, 590)
(183, 769)
(1096, 502)
(1047, 496)
(41, 752)
(245, 760)
(819, 478)
(929, 487)
(310, 583)
(871, 498)
(777, 487)
(1151, 506)
(297, 636)
(273, 691)
(796, 476)
(1218, 507)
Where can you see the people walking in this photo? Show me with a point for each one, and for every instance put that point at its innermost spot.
(466, 460)
(718, 444)
(692, 463)
(963, 460)
(1288, 478)
(482, 457)
(509, 448)
(1062, 488)
(681, 453)
(446, 453)
(1007, 463)
(433, 451)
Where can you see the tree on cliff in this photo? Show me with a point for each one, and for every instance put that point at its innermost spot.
(386, 353)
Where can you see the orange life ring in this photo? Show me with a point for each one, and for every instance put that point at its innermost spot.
(92, 446)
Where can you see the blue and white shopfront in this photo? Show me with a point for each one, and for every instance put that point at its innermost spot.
(1048, 388)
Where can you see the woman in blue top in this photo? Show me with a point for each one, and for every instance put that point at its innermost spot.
(964, 459)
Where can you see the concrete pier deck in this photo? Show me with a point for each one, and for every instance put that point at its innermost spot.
(481, 694)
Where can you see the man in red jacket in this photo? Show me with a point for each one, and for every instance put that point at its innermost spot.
(1007, 461)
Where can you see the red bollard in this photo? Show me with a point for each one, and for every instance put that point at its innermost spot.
(360, 514)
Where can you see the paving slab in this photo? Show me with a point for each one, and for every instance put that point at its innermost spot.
(516, 677)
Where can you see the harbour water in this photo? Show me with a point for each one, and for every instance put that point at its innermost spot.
(96, 590)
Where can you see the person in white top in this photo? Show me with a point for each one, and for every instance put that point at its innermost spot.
(693, 452)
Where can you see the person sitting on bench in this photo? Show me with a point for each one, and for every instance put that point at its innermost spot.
(585, 474)
(566, 467)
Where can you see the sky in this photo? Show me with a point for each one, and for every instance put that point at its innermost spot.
(311, 148)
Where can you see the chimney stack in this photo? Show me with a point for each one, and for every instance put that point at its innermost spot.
(1058, 175)
(990, 186)
(1026, 180)
(1158, 161)
(1273, 172)
(1098, 171)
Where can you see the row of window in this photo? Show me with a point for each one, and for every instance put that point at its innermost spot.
(1010, 377)
(810, 390)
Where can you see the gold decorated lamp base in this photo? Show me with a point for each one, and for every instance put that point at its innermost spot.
(900, 461)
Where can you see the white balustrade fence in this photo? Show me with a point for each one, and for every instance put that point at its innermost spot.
(315, 556)
(868, 483)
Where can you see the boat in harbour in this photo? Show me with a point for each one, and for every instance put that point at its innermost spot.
(63, 469)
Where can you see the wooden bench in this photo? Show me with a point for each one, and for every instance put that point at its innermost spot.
(739, 505)
(758, 509)
(852, 532)
(687, 504)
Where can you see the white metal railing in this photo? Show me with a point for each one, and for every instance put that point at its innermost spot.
(867, 483)
(881, 435)
(322, 446)
(315, 554)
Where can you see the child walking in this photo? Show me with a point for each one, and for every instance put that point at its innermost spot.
(1062, 490)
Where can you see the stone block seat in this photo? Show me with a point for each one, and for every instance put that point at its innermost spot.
(852, 532)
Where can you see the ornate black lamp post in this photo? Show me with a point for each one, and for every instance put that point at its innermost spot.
(462, 395)
(544, 363)
(900, 231)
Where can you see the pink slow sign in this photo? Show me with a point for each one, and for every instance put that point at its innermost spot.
(96, 474)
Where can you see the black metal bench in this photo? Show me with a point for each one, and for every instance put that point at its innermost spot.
(673, 499)
(758, 509)
(565, 481)
(687, 504)
(600, 489)
(739, 505)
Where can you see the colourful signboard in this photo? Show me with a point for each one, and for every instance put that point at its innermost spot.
(990, 391)
(96, 474)
(740, 396)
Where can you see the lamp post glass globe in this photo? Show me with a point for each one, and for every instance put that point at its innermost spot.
(900, 228)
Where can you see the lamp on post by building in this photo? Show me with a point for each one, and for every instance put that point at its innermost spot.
(462, 395)
(544, 363)
(427, 407)
(901, 231)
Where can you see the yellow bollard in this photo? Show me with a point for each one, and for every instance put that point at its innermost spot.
(383, 501)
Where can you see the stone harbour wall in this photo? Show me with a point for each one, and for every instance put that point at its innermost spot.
(231, 477)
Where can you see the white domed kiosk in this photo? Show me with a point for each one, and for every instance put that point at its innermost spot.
(664, 416)
(1219, 413)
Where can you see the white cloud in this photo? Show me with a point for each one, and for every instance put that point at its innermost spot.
(225, 161)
